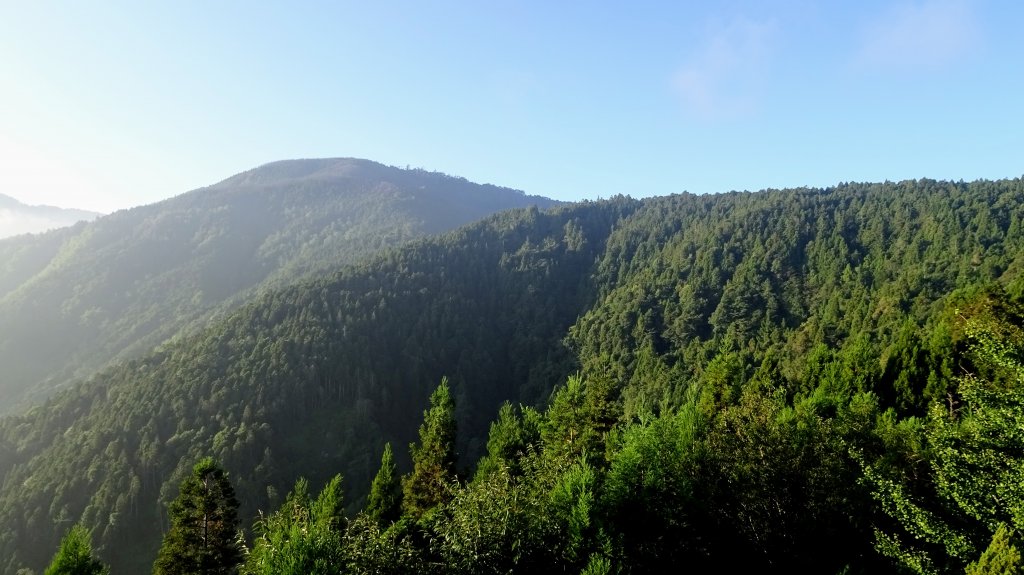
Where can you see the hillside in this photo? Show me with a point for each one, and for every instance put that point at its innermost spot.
(741, 350)
(311, 377)
(73, 300)
(17, 218)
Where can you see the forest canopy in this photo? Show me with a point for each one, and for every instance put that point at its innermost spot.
(811, 380)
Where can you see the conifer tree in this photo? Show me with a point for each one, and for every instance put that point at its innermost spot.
(204, 523)
(1001, 557)
(384, 504)
(433, 459)
(580, 416)
(75, 555)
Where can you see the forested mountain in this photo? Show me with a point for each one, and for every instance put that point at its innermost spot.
(792, 381)
(74, 299)
(17, 218)
(307, 380)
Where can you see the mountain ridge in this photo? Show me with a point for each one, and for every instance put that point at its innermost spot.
(121, 285)
(17, 218)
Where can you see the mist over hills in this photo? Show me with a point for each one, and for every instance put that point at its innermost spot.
(17, 218)
(73, 300)
(790, 320)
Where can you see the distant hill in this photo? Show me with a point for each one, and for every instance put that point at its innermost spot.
(17, 218)
(74, 299)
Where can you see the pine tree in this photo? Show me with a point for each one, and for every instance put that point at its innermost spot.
(580, 416)
(384, 504)
(75, 555)
(433, 459)
(204, 521)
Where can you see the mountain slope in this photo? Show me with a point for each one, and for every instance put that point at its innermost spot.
(310, 377)
(17, 218)
(802, 290)
(782, 275)
(73, 300)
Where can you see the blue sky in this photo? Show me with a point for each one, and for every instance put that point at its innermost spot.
(107, 105)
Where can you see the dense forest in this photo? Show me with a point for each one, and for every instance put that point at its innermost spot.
(810, 380)
(76, 299)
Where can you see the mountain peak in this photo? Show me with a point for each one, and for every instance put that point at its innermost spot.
(306, 168)
(187, 256)
(291, 172)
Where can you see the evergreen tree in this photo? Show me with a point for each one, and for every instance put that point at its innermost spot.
(75, 555)
(204, 522)
(433, 459)
(385, 500)
(510, 439)
(1001, 557)
(580, 416)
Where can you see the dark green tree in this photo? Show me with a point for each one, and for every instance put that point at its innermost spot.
(384, 504)
(649, 493)
(204, 523)
(580, 416)
(511, 437)
(75, 555)
(433, 460)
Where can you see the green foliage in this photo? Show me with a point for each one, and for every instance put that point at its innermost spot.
(433, 458)
(650, 498)
(857, 270)
(497, 524)
(75, 555)
(303, 537)
(384, 503)
(579, 418)
(372, 550)
(975, 497)
(598, 565)
(802, 330)
(573, 500)
(310, 378)
(1000, 558)
(511, 437)
(203, 537)
(779, 483)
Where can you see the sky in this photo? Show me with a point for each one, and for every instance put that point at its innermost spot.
(106, 105)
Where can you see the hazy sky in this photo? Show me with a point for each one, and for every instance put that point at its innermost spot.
(107, 105)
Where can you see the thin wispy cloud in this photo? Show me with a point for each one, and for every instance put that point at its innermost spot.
(919, 36)
(726, 74)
